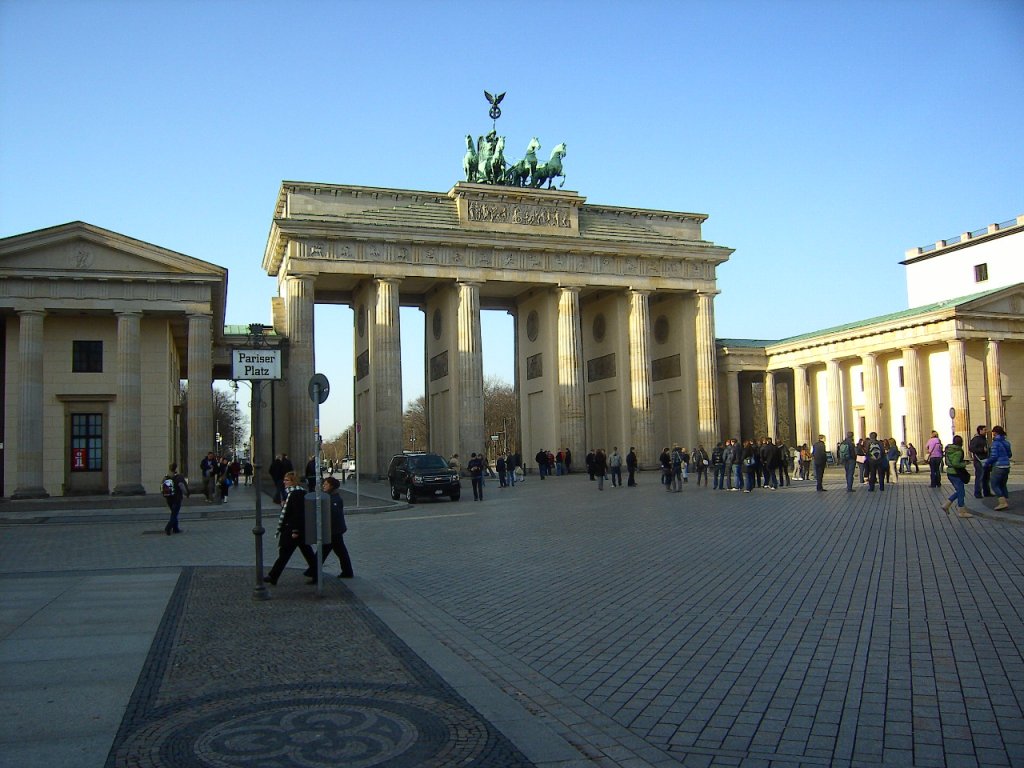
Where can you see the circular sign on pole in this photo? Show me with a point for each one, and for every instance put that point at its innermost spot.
(952, 413)
(319, 388)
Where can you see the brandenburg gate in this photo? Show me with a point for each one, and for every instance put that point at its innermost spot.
(613, 310)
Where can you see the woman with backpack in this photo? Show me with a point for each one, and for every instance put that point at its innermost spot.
(956, 471)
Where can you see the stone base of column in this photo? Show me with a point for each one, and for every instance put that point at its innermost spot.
(128, 490)
(30, 493)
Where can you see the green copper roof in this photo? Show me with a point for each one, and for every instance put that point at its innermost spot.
(904, 313)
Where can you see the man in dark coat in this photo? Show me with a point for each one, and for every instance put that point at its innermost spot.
(819, 458)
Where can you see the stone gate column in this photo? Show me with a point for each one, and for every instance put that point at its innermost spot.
(834, 387)
(770, 407)
(470, 370)
(802, 405)
(30, 406)
(128, 465)
(386, 353)
(301, 367)
(641, 418)
(732, 385)
(912, 392)
(872, 413)
(994, 385)
(708, 427)
(200, 395)
(958, 387)
(572, 424)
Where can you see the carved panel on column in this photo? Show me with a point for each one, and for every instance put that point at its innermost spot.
(362, 365)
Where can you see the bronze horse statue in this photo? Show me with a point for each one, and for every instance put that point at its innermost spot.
(520, 171)
(469, 162)
(549, 170)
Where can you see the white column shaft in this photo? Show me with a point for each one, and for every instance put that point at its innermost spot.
(301, 367)
(912, 392)
(708, 426)
(572, 431)
(128, 462)
(958, 387)
(386, 369)
(642, 417)
(470, 371)
(872, 412)
(200, 394)
(802, 405)
(834, 385)
(994, 388)
(30, 406)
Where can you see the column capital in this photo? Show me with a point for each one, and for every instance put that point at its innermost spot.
(570, 288)
(639, 291)
(31, 312)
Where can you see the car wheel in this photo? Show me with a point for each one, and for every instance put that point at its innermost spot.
(395, 495)
(409, 495)
(455, 496)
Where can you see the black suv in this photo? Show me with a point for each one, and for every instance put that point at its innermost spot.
(422, 474)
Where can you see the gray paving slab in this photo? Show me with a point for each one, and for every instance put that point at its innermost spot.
(623, 627)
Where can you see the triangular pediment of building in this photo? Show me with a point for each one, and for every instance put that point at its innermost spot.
(1007, 301)
(84, 250)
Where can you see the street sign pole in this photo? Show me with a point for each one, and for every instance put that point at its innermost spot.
(319, 388)
(260, 592)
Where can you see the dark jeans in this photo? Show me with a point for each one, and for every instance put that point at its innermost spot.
(285, 548)
(174, 504)
(719, 481)
(819, 475)
(631, 477)
(876, 474)
(982, 479)
(849, 466)
(935, 465)
(337, 546)
(616, 476)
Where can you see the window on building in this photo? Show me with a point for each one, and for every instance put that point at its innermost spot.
(87, 357)
(899, 374)
(86, 442)
(980, 273)
(862, 381)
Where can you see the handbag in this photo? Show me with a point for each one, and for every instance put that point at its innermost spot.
(964, 475)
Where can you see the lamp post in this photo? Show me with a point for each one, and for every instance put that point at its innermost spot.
(258, 341)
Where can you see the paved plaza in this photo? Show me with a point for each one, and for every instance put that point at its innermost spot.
(551, 624)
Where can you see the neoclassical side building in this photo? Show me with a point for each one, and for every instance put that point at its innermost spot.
(97, 330)
(960, 346)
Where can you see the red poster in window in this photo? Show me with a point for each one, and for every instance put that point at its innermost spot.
(77, 459)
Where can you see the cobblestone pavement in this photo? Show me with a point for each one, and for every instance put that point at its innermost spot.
(636, 627)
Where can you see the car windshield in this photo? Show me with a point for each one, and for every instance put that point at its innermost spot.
(427, 462)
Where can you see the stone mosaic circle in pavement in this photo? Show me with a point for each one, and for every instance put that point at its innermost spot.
(292, 681)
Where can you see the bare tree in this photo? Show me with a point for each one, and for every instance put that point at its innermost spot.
(501, 415)
(415, 430)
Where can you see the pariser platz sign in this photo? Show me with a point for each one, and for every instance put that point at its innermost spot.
(256, 364)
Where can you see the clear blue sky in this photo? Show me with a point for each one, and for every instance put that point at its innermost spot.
(822, 138)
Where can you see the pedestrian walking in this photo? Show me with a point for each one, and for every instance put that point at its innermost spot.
(876, 461)
(331, 487)
(291, 529)
(174, 489)
(631, 467)
(475, 467)
(956, 472)
(998, 459)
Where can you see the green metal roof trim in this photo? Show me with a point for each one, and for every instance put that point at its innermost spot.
(243, 330)
(744, 343)
(923, 310)
(904, 313)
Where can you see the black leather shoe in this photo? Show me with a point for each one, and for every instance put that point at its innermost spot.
(269, 580)
(346, 575)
